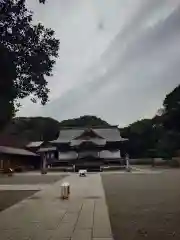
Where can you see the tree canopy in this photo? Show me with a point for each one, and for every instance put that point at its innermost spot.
(156, 137)
(23, 130)
(172, 110)
(28, 54)
(159, 136)
(84, 121)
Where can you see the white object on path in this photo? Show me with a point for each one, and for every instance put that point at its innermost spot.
(82, 172)
(65, 190)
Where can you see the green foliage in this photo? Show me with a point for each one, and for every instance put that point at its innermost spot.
(7, 90)
(142, 137)
(27, 53)
(22, 130)
(172, 110)
(159, 136)
(33, 129)
(83, 121)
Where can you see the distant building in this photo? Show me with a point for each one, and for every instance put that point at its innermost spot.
(45, 150)
(81, 147)
(88, 148)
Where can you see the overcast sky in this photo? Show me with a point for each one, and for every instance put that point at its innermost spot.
(118, 58)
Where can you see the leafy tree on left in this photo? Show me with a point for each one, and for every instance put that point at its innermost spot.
(27, 57)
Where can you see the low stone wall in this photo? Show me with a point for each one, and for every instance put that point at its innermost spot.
(149, 161)
(141, 161)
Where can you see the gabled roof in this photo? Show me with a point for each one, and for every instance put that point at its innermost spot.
(89, 133)
(66, 135)
(16, 151)
(34, 144)
(110, 134)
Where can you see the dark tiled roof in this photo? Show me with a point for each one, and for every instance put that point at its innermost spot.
(66, 135)
(16, 151)
(110, 134)
(34, 144)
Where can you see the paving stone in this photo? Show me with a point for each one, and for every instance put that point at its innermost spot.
(74, 206)
(49, 224)
(23, 187)
(42, 234)
(101, 232)
(17, 223)
(85, 220)
(57, 238)
(85, 234)
(70, 218)
(15, 235)
(65, 230)
(102, 239)
(101, 227)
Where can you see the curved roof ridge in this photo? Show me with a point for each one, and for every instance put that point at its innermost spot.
(88, 127)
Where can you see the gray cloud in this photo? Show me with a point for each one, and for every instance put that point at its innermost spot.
(134, 73)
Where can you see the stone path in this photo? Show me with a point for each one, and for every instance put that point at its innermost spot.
(36, 173)
(45, 216)
(16, 187)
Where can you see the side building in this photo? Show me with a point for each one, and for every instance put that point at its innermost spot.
(18, 159)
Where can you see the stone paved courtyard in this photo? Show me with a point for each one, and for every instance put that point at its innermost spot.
(143, 204)
(29, 179)
(20, 186)
(45, 216)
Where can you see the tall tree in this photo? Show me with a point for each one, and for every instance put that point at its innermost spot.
(159, 135)
(7, 91)
(27, 55)
(87, 120)
(172, 110)
(142, 137)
